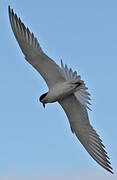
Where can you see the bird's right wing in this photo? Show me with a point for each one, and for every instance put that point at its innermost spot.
(80, 125)
(33, 53)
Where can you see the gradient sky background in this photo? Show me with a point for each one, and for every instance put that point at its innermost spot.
(37, 143)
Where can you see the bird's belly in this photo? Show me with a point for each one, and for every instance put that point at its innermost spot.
(60, 91)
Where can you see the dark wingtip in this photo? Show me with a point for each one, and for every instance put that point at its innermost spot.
(111, 171)
(9, 9)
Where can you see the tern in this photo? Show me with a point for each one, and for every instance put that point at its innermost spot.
(65, 87)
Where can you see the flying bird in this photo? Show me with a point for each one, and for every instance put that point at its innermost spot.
(65, 87)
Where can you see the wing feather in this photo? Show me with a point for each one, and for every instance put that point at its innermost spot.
(33, 53)
(80, 125)
(82, 95)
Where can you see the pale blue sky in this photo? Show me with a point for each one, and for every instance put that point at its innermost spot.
(35, 140)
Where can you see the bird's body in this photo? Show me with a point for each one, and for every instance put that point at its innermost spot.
(65, 87)
(60, 91)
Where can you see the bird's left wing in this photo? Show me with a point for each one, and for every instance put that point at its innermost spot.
(33, 53)
(80, 125)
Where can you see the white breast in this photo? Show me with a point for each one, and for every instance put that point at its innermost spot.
(60, 91)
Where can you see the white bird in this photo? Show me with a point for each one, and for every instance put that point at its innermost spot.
(65, 87)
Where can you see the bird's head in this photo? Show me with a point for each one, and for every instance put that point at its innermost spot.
(42, 99)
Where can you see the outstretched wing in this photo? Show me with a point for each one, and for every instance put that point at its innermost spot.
(80, 125)
(33, 53)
